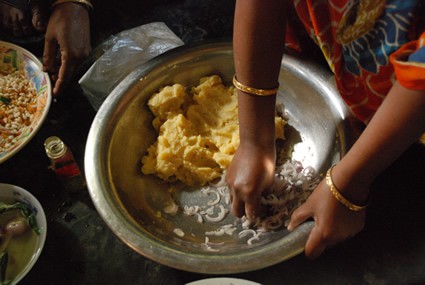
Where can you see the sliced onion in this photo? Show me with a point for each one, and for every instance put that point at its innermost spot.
(178, 232)
(217, 199)
(221, 215)
(254, 238)
(171, 208)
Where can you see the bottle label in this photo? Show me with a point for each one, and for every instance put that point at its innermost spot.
(67, 171)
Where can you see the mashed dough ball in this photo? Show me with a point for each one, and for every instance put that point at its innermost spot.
(197, 132)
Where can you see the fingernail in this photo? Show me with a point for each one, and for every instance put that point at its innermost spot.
(290, 228)
(251, 217)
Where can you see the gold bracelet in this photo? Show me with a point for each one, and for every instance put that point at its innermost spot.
(252, 90)
(84, 2)
(338, 196)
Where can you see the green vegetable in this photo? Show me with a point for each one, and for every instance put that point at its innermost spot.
(29, 214)
(11, 57)
(5, 100)
(26, 211)
(7, 58)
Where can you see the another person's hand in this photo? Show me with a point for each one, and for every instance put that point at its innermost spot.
(67, 43)
(250, 173)
(334, 223)
(20, 23)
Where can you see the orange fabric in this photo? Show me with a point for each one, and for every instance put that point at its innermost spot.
(409, 74)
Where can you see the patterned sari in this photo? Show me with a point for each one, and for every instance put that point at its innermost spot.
(358, 38)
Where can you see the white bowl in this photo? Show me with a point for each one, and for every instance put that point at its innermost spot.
(10, 192)
(23, 59)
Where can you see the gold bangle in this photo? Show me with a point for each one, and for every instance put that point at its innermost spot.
(252, 90)
(84, 2)
(351, 206)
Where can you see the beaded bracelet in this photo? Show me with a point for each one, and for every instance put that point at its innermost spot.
(351, 206)
(252, 90)
(84, 2)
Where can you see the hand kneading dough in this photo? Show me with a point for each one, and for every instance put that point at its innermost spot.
(197, 132)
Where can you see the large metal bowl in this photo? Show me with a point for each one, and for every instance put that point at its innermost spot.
(132, 204)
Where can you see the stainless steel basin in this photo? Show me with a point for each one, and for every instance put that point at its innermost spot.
(131, 204)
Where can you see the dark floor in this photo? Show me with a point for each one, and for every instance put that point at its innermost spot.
(80, 248)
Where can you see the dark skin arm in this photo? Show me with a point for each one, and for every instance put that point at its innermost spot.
(67, 43)
(257, 65)
(399, 122)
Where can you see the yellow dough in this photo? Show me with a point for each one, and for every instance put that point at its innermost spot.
(197, 132)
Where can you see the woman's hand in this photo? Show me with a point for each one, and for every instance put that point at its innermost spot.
(259, 30)
(379, 145)
(250, 173)
(67, 43)
(334, 223)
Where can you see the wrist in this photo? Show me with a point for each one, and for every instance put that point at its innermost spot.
(262, 137)
(256, 119)
(352, 185)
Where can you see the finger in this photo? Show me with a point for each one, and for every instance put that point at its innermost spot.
(6, 23)
(231, 194)
(315, 245)
(57, 89)
(26, 28)
(39, 17)
(237, 207)
(299, 216)
(66, 70)
(49, 61)
(49, 55)
(252, 208)
(16, 28)
(24, 23)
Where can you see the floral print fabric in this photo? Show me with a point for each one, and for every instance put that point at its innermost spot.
(357, 38)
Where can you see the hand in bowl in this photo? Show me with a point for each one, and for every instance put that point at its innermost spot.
(250, 173)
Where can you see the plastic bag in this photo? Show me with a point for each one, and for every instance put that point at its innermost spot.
(122, 53)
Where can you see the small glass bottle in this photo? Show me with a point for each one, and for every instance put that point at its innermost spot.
(63, 164)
